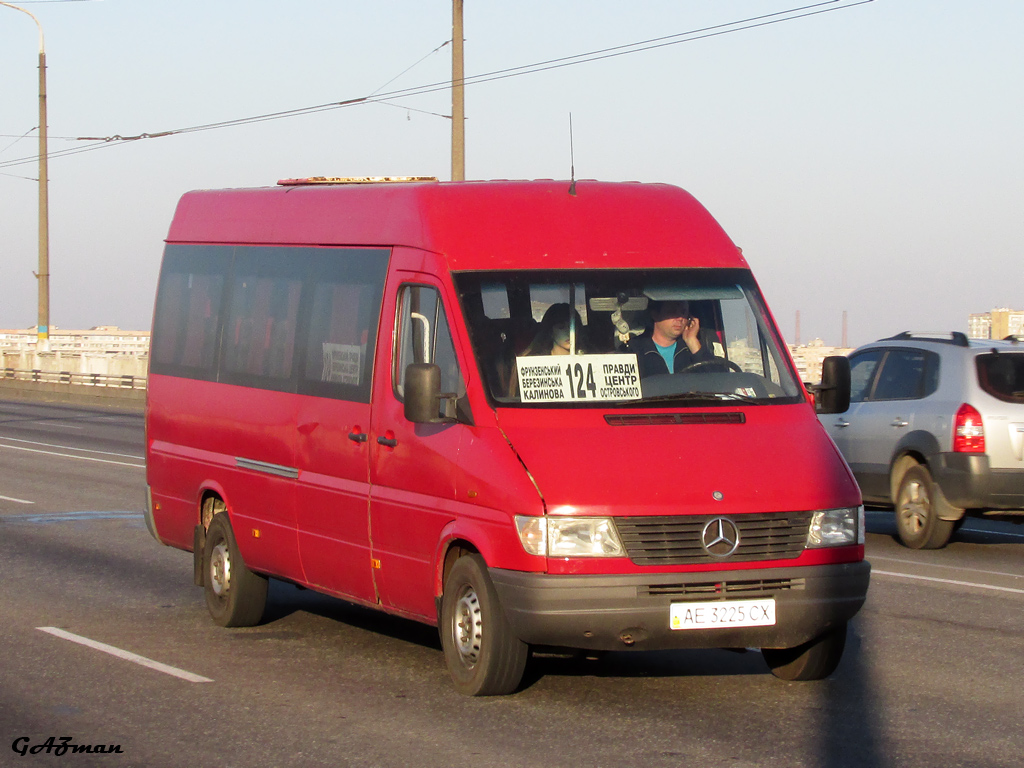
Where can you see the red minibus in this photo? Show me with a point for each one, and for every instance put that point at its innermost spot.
(536, 414)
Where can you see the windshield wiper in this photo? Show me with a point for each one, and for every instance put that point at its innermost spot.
(714, 397)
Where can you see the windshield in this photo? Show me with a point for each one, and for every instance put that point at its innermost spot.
(624, 337)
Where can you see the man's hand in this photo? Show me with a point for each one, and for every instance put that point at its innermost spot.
(691, 329)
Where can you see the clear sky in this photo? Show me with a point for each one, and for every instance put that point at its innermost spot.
(868, 159)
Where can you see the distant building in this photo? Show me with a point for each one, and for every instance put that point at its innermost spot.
(808, 358)
(102, 339)
(997, 324)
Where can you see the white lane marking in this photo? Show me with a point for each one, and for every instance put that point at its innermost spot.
(58, 424)
(72, 456)
(947, 567)
(16, 501)
(126, 655)
(71, 517)
(72, 448)
(947, 581)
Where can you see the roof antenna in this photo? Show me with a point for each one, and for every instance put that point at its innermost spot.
(572, 162)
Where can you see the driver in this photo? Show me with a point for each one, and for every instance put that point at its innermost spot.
(672, 343)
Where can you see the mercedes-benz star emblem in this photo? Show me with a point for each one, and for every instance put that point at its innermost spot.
(720, 537)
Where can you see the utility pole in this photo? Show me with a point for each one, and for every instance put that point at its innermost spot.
(43, 276)
(458, 97)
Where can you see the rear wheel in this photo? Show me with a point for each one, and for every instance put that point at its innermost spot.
(484, 656)
(235, 595)
(917, 511)
(815, 660)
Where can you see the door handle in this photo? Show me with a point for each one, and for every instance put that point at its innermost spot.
(899, 422)
(390, 442)
(841, 423)
(357, 437)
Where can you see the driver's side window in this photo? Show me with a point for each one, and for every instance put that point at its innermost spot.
(424, 336)
(862, 374)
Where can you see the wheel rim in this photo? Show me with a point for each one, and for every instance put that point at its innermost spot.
(220, 569)
(467, 626)
(915, 507)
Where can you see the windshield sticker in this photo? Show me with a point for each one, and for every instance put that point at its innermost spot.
(561, 378)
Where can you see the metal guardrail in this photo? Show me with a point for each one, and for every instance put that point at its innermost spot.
(82, 379)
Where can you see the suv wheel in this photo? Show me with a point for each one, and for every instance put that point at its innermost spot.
(917, 517)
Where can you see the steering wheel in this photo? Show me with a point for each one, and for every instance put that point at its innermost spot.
(717, 361)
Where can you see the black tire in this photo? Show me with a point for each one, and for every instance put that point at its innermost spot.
(917, 513)
(815, 660)
(484, 656)
(235, 595)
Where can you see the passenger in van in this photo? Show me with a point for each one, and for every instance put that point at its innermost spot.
(672, 343)
(552, 337)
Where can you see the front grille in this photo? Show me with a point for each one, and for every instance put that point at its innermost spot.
(675, 540)
(737, 588)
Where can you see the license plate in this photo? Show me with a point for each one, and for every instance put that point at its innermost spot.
(731, 613)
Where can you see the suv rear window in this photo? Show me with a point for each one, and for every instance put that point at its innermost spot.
(1002, 375)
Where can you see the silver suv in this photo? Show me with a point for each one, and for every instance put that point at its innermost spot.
(935, 429)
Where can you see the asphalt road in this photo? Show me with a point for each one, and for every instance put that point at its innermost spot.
(932, 676)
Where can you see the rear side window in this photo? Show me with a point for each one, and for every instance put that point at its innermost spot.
(907, 374)
(344, 314)
(284, 318)
(1002, 375)
(188, 308)
(259, 336)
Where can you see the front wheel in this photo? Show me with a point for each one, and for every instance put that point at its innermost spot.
(483, 655)
(815, 660)
(235, 595)
(917, 514)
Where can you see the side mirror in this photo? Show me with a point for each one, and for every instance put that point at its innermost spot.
(423, 395)
(833, 394)
(422, 392)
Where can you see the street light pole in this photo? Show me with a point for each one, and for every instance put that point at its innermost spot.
(458, 97)
(43, 276)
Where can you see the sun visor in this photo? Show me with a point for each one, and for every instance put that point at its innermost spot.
(693, 292)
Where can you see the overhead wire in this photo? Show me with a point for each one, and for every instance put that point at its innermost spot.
(16, 139)
(386, 98)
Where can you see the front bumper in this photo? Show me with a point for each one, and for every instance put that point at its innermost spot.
(631, 612)
(967, 480)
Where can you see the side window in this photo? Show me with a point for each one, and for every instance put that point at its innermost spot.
(862, 374)
(259, 335)
(424, 337)
(344, 311)
(904, 375)
(188, 310)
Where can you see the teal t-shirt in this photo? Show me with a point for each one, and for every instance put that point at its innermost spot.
(668, 354)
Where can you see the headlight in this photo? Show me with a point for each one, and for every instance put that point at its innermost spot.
(836, 527)
(569, 536)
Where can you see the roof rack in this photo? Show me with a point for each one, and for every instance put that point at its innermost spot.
(1014, 337)
(959, 338)
(353, 180)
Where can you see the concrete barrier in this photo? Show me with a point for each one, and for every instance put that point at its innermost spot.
(75, 394)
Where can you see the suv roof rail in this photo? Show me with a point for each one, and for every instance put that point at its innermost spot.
(959, 338)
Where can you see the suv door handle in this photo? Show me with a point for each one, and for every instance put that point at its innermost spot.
(390, 442)
(841, 423)
(357, 436)
(899, 422)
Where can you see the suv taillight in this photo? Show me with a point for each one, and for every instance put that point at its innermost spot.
(968, 431)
